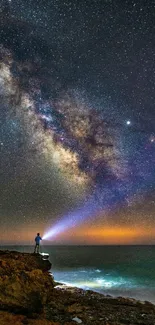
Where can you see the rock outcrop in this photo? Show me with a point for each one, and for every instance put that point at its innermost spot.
(29, 296)
(16, 261)
(25, 284)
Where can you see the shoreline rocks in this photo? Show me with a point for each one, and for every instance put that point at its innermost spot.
(29, 295)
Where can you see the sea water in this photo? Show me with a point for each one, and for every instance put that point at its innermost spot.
(127, 271)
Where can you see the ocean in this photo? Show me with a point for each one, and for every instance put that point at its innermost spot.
(127, 271)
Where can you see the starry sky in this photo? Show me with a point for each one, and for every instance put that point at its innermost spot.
(77, 131)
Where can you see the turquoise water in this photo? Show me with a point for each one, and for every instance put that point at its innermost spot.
(127, 271)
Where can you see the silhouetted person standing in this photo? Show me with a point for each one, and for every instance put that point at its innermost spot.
(37, 246)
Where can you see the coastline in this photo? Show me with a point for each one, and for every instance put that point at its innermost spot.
(115, 295)
(29, 295)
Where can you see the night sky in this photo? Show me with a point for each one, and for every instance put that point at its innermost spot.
(77, 121)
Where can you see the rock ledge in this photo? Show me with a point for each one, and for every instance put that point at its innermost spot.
(29, 295)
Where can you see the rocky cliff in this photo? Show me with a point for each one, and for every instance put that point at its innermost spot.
(29, 295)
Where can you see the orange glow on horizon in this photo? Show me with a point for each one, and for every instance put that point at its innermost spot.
(84, 235)
(113, 232)
(110, 235)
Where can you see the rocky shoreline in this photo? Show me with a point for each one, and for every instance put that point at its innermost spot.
(30, 296)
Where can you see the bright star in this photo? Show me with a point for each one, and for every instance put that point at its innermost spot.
(128, 122)
(152, 138)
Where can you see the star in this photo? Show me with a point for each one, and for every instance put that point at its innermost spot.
(76, 113)
(152, 139)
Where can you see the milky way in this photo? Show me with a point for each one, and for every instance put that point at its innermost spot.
(75, 137)
(74, 141)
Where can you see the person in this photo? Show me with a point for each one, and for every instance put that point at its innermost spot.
(37, 246)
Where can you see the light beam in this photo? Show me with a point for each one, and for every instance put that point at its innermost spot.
(93, 206)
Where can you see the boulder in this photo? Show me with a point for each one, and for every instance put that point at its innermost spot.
(25, 287)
